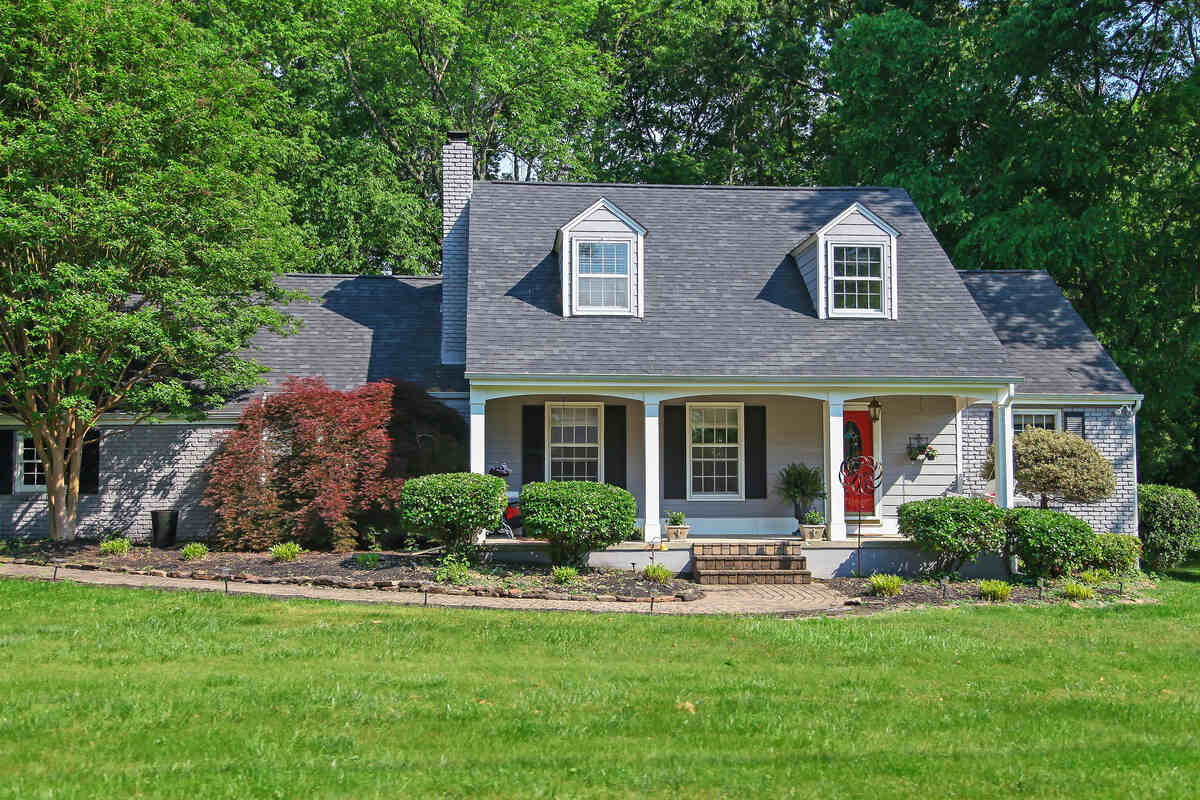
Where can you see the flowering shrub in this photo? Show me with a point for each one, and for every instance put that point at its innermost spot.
(306, 464)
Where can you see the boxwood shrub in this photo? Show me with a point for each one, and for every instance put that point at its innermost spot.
(1168, 524)
(453, 507)
(954, 530)
(1117, 553)
(1051, 543)
(577, 517)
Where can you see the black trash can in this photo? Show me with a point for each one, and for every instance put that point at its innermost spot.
(164, 524)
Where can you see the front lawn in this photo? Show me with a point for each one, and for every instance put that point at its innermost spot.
(111, 692)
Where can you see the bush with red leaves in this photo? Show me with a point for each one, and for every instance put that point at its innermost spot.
(310, 464)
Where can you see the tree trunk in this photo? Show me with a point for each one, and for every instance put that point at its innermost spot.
(1045, 501)
(62, 456)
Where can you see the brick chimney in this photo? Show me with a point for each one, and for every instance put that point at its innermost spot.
(457, 175)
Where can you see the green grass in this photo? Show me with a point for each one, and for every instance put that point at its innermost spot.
(116, 693)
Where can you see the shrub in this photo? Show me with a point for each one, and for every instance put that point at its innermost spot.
(995, 591)
(577, 517)
(675, 518)
(455, 569)
(657, 573)
(454, 507)
(1117, 553)
(883, 585)
(193, 551)
(953, 530)
(115, 547)
(564, 575)
(1073, 590)
(366, 560)
(286, 551)
(1169, 524)
(814, 518)
(308, 464)
(1056, 465)
(1051, 543)
(800, 485)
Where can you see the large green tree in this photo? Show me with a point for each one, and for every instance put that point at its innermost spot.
(141, 226)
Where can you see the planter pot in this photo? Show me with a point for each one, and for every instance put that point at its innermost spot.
(676, 533)
(813, 533)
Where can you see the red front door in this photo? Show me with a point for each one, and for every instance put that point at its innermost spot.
(858, 439)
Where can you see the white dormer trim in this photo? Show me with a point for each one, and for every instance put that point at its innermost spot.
(566, 244)
(823, 239)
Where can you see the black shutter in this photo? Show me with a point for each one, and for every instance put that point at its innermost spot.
(991, 430)
(89, 466)
(533, 443)
(1073, 423)
(674, 453)
(755, 418)
(7, 467)
(614, 446)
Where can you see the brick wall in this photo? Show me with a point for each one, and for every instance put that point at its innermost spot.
(141, 469)
(457, 175)
(1113, 434)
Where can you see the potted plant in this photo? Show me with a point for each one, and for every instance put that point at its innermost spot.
(800, 485)
(813, 526)
(677, 527)
(919, 449)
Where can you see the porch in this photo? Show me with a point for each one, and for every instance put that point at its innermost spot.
(713, 452)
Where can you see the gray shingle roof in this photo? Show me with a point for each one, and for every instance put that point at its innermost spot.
(723, 295)
(1044, 335)
(360, 329)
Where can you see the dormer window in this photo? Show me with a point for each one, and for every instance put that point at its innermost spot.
(858, 279)
(601, 253)
(850, 266)
(602, 284)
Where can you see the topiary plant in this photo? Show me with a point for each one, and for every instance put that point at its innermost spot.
(953, 530)
(1056, 465)
(453, 508)
(577, 517)
(1168, 524)
(1051, 543)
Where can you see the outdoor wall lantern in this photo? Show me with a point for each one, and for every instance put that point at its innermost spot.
(875, 408)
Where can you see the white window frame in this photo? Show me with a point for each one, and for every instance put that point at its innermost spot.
(599, 437)
(884, 280)
(583, 311)
(19, 485)
(741, 445)
(1045, 412)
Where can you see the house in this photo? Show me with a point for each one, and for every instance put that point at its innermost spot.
(684, 342)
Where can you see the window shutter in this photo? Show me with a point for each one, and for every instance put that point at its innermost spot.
(1073, 423)
(614, 446)
(755, 418)
(533, 443)
(7, 467)
(89, 467)
(674, 453)
(991, 426)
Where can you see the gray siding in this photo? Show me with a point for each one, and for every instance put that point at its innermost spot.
(604, 225)
(457, 174)
(141, 469)
(809, 262)
(858, 229)
(904, 480)
(1114, 435)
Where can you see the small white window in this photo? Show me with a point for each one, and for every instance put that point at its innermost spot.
(574, 439)
(715, 451)
(31, 475)
(602, 278)
(858, 279)
(1034, 418)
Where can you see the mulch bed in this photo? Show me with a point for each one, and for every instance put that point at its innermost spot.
(396, 570)
(913, 593)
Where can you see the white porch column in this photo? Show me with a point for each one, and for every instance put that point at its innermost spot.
(478, 409)
(1002, 438)
(652, 501)
(833, 463)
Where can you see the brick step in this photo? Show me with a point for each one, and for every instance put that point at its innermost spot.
(751, 549)
(713, 577)
(750, 562)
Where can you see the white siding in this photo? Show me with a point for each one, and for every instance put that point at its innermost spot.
(904, 480)
(857, 229)
(602, 224)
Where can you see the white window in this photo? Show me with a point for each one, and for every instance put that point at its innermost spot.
(715, 451)
(858, 287)
(1047, 419)
(31, 474)
(602, 284)
(574, 439)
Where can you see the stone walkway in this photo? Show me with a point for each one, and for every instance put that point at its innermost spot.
(776, 600)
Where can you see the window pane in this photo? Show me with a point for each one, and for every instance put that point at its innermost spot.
(32, 471)
(860, 294)
(604, 292)
(1046, 421)
(604, 258)
(574, 443)
(715, 453)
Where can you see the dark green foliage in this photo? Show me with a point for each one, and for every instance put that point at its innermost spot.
(954, 530)
(577, 517)
(454, 507)
(1061, 466)
(1051, 543)
(800, 485)
(1168, 524)
(1117, 553)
